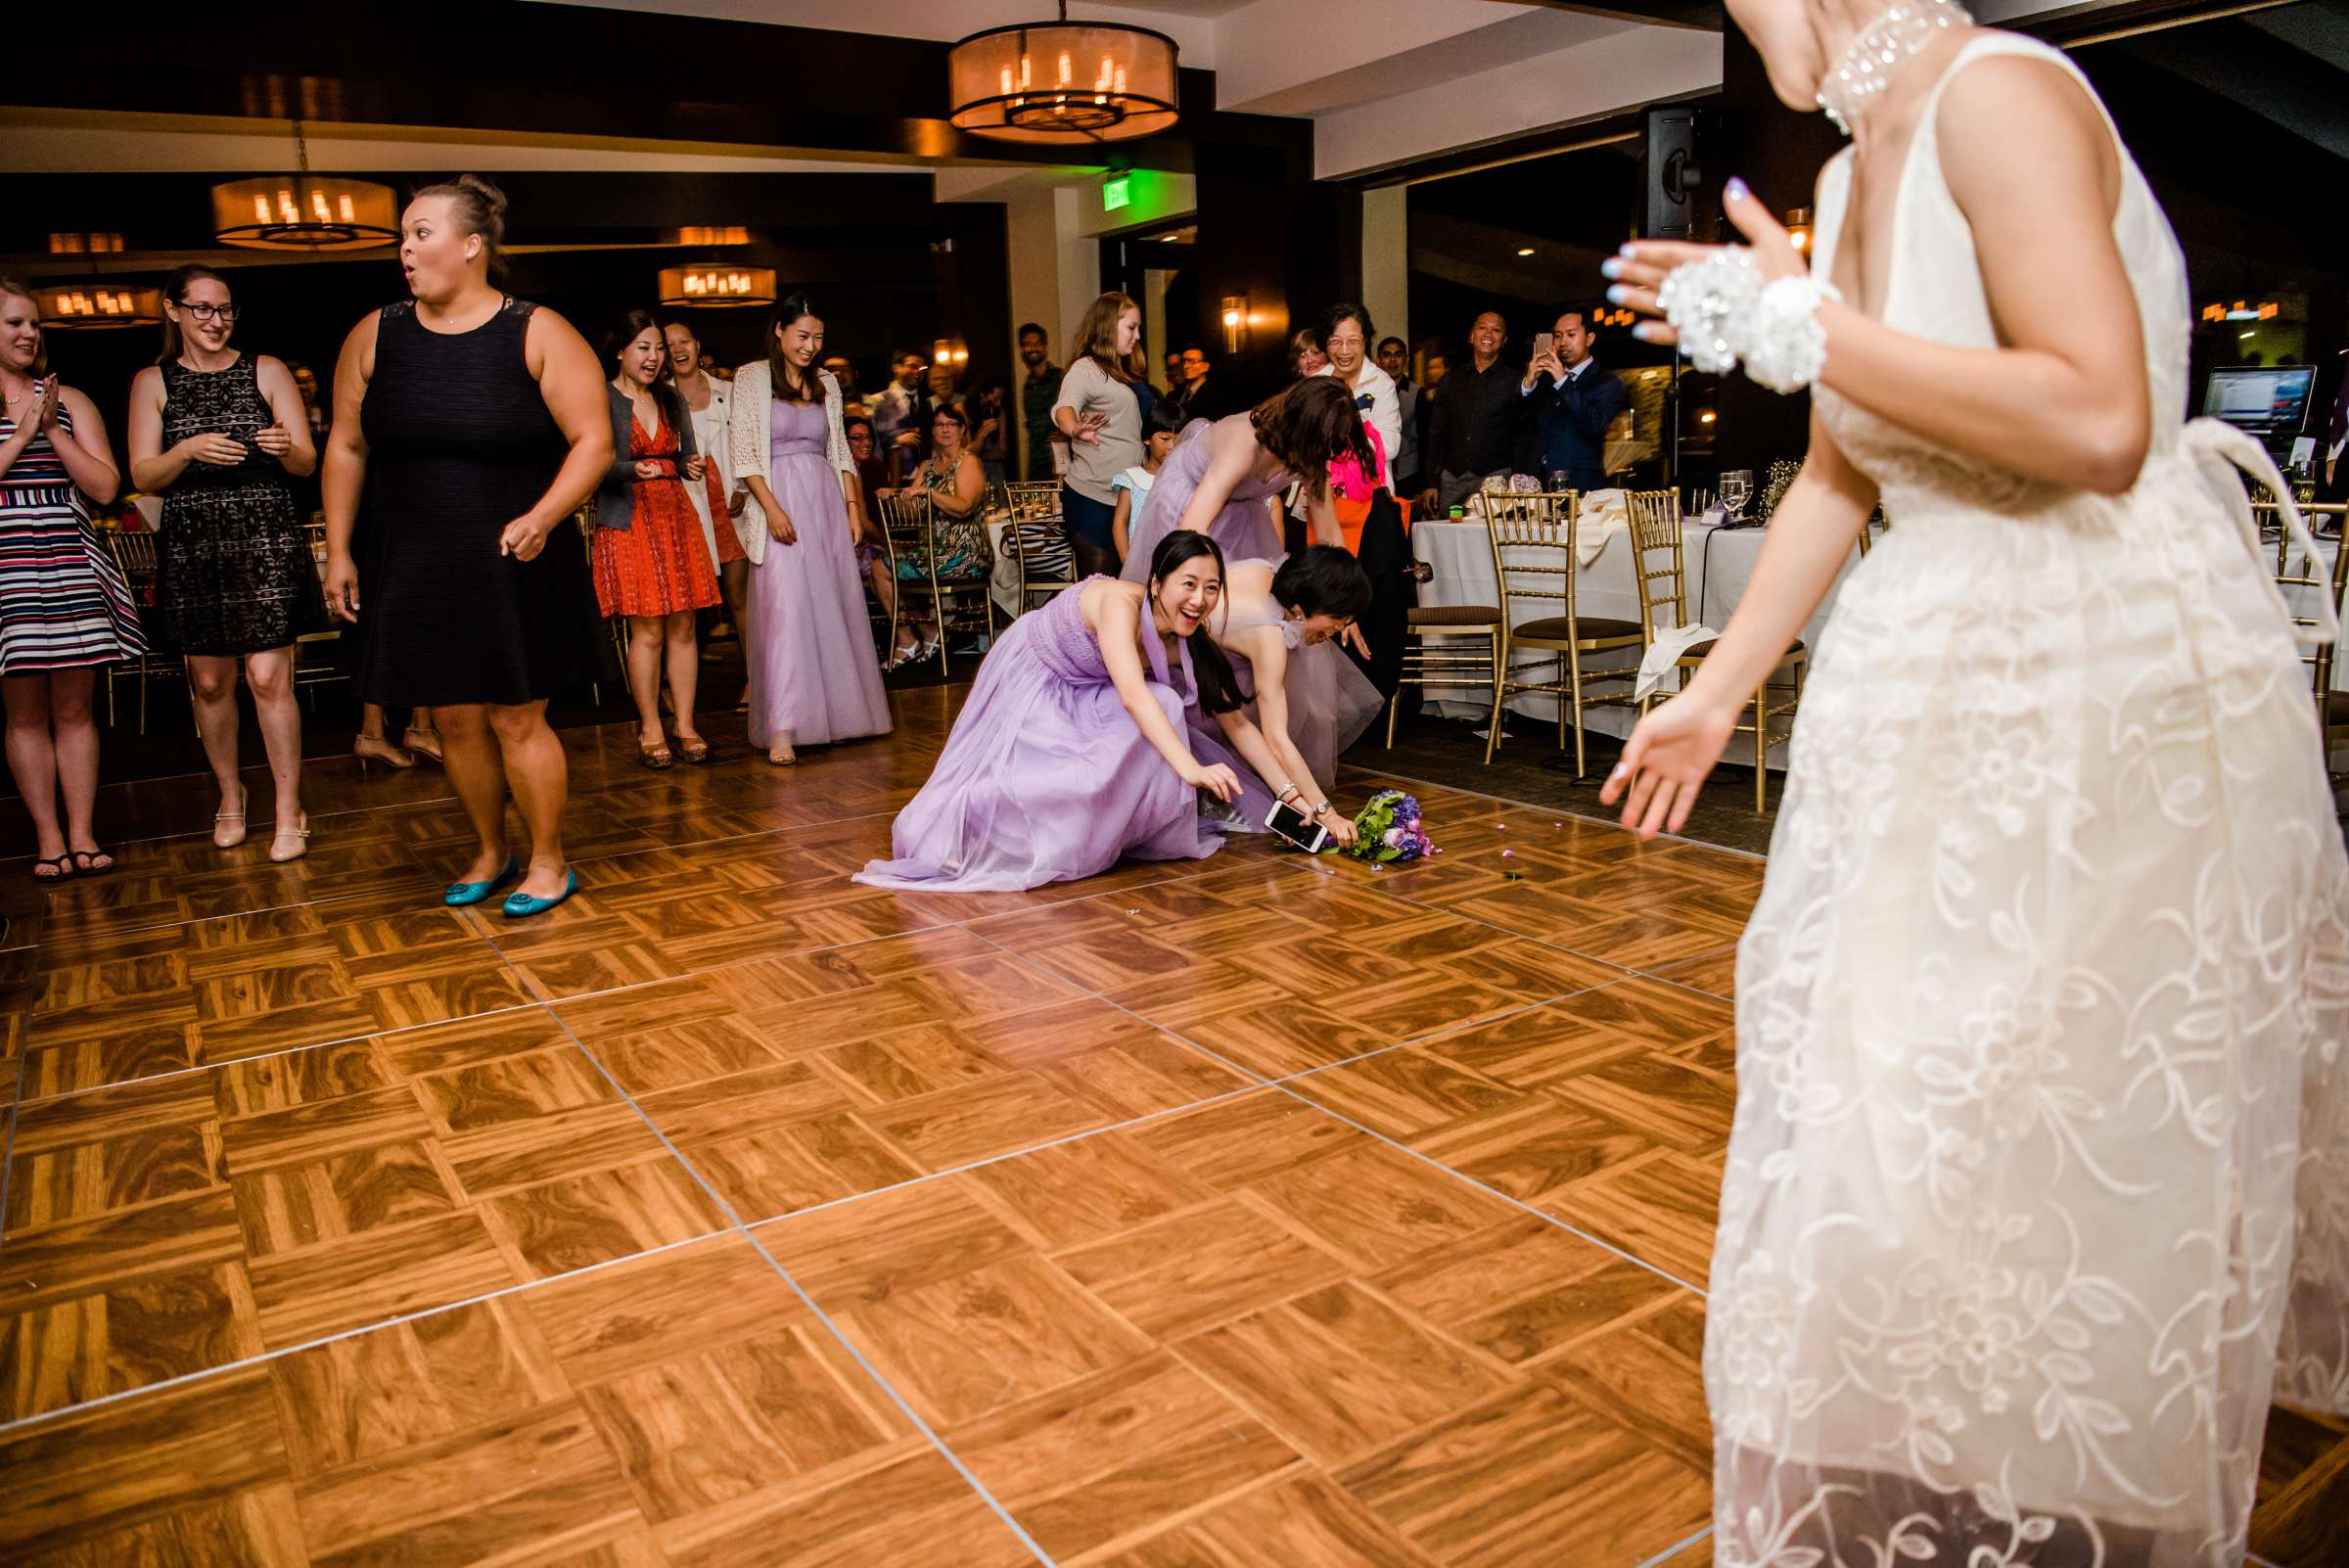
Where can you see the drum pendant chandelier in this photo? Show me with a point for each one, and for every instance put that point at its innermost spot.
(305, 211)
(1063, 81)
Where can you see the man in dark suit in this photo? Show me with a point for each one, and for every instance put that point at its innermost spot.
(1567, 400)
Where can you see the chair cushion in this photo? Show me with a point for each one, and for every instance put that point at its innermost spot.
(1581, 629)
(1695, 653)
(1454, 614)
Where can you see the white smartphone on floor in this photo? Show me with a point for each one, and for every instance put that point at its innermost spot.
(1296, 827)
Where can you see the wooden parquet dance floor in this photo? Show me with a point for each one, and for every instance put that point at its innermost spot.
(1254, 1213)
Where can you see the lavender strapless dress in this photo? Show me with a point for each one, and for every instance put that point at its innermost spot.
(1330, 703)
(1244, 529)
(1045, 777)
(814, 676)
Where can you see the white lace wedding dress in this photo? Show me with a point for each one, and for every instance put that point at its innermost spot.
(2040, 1178)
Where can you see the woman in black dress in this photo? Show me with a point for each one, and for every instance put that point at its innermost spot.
(217, 432)
(476, 424)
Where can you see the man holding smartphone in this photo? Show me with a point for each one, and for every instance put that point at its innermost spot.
(1568, 399)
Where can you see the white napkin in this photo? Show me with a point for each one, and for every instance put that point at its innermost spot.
(1664, 654)
(1611, 513)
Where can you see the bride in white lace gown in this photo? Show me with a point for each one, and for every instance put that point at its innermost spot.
(2039, 1185)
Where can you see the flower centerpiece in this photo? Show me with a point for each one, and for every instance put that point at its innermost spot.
(1782, 474)
(1387, 831)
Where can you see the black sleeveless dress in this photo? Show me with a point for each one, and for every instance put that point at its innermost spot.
(459, 445)
(234, 570)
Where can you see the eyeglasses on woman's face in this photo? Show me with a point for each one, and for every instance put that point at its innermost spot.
(205, 310)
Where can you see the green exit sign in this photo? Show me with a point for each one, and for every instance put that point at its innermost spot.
(1116, 193)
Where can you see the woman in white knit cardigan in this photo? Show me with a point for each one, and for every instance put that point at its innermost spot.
(814, 676)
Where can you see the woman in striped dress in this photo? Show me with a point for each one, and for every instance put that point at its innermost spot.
(63, 607)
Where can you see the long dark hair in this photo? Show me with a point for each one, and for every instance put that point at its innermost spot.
(1310, 424)
(1219, 689)
(788, 309)
(175, 290)
(625, 329)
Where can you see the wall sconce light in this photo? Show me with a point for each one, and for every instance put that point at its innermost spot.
(1235, 323)
(1798, 228)
(1705, 416)
(950, 353)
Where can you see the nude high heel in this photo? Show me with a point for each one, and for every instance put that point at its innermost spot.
(225, 837)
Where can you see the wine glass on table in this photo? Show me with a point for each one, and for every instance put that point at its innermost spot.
(1737, 488)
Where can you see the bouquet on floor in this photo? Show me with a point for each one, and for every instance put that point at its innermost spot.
(1387, 831)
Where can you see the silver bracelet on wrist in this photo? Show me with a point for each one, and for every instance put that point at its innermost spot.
(1723, 313)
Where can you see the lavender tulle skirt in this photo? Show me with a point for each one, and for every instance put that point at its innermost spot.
(1045, 777)
(1330, 703)
(1244, 529)
(813, 674)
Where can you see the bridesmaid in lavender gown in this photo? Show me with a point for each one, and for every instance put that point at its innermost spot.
(814, 675)
(1223, 473)
(1278, 628)
(1070, 751)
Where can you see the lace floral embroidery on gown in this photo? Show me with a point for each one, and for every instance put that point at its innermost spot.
(2039, 1185)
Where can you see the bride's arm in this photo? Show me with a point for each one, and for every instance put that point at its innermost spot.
(2033, 167)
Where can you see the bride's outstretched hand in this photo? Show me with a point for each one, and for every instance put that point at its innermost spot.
(1665, 763)
(1639, 268)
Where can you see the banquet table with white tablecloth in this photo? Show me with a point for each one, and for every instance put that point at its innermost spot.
(1719, 562)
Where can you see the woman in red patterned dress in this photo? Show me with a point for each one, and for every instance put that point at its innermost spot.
(652, 564)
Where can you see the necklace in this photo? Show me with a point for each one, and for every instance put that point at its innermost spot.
(1868, 62)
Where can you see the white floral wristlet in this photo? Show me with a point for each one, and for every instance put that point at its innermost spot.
(1723, 313)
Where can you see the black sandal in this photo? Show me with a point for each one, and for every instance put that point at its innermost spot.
(63, 864)
(80, 856)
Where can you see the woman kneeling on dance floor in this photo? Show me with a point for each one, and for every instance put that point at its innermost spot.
(1069, 752)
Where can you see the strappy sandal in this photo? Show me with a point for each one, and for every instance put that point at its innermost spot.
(781, 754)
(92, 870)
(654, 758)
(694, 749)
(62, 864)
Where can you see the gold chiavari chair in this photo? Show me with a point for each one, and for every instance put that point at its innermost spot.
(1034, 541)
(950, 562)
(1534, 559)
(311, 676)
(2313, 577)
(134, 558)
(1436, 652)
(1662, 568)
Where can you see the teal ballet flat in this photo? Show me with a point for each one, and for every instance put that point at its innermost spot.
(521, 905)
(461, 893)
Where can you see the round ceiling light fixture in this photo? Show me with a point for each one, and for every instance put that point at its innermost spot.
(305, 211)
(1063, 81)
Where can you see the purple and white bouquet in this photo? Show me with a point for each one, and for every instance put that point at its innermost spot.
(1387, 831)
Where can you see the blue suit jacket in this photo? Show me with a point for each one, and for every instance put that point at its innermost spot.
(1565, 426)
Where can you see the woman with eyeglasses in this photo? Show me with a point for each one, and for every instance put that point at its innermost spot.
(215, 431)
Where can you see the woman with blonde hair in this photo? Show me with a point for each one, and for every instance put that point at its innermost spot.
(64, 608)
(1100, 411)
(474, 424)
